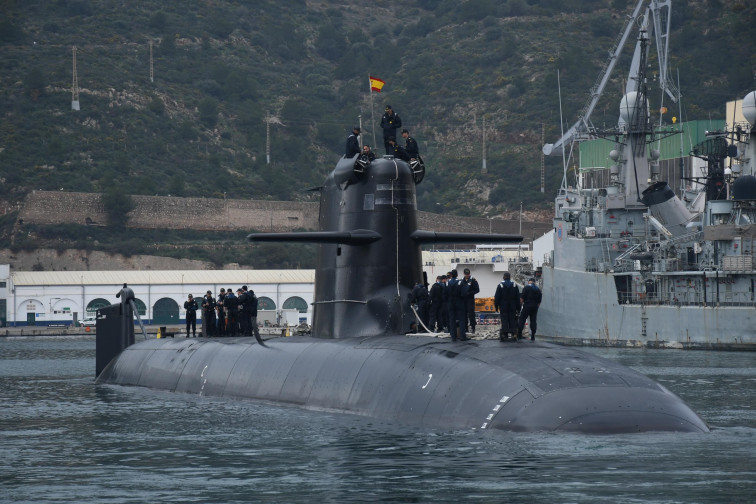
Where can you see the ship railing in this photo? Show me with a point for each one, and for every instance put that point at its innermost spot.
(697, 300)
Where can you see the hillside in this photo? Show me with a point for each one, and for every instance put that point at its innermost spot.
(225, 70)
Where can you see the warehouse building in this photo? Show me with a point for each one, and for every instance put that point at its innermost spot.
(58, 298)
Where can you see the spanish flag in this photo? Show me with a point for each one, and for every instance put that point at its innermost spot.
(376, 84)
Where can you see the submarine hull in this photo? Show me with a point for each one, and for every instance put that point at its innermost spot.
(420, 380)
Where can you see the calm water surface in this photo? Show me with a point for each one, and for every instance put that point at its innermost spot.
(63, 439)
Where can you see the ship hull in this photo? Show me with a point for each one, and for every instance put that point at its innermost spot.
(582, 308)
(530, 386)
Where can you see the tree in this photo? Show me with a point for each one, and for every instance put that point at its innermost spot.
(117, 204)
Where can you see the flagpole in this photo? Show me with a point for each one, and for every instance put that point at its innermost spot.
(372, 115)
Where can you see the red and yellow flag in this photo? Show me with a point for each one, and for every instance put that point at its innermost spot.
(376, 84)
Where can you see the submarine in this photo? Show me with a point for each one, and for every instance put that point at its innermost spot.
(362, 357)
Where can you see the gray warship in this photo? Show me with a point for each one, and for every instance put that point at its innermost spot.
(632, 263)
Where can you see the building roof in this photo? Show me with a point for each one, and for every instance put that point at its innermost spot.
(168, 277)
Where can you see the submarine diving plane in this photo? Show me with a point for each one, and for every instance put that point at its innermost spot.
(360, 358)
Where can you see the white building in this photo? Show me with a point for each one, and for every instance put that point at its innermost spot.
(60, 297)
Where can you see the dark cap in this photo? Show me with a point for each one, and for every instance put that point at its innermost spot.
(209, 292)
(191, 296)
(223, 290)
(531, 279)
(388, 107)
(405, 131)
(467, 271)
(356, 128)
(391, 139)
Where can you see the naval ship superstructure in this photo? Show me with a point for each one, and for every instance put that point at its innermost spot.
(633, 264)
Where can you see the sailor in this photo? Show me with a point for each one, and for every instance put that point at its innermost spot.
(353, 143)
(470, 287)
(221, 312)
(419, 297)
(436, 296)
(530, 298)
(396, 150)
(390, 122)
(410, 145)
(190, 305)
(231, 306)
(507, 303)
(251, 311)
(208, 314)
(456, 308)
(367, 153)
(242, 318)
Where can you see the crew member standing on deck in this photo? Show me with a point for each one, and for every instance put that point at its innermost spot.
(507, 302)
(531, 300)
(437, 316)
(456, 308)
(470, 288)
(419, 297)
(221, 312)
(353, 143)
(390, 122)
(190, 305)
(208, 314)
(410, 145)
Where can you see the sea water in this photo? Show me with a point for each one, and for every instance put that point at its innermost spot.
(64, 439)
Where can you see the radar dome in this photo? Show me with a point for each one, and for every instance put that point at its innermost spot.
(744, 188)
(628, 104)
(749, 108)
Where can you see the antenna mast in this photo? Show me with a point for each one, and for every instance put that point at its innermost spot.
(484, 169)
(75, 86)
(152, 75)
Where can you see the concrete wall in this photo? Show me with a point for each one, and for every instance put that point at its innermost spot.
(51, 207)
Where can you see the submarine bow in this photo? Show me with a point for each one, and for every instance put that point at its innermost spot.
(359, 359)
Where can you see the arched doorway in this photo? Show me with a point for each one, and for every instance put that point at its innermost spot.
(265, 303)
(95, 305)
(165, 311)
(141, 307)
(295, 303)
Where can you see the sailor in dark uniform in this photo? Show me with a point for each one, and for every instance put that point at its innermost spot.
(190, 305)
(470, 288)
(410, 145)
(531, 300)
(456, 308)
(353, 143)
(507, 303)
(437, 315)
(389, 123)
(419, 297)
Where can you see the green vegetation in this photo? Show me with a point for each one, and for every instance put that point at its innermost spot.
(219, 69)
(218, 248)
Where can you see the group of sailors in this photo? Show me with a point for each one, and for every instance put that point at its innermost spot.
(228, 315)
(449, 306)
(390, 124)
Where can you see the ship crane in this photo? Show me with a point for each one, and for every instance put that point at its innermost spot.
(658, 11)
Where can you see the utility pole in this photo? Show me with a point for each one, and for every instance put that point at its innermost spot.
(152, 75)
(75, 86)
(484, 169)
(543, 163)
(267, 136)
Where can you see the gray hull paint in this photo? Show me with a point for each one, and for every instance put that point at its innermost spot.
(523, 386)
(582, 308)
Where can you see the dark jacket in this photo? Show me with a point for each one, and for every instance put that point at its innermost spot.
(352, 146)
(472, 288)
(191, 308)
(437, 293)
(411, 148)
(208, 304)
(231, 303)
(390, 123)
(419, 294)
(507, 296)
(531, 295)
